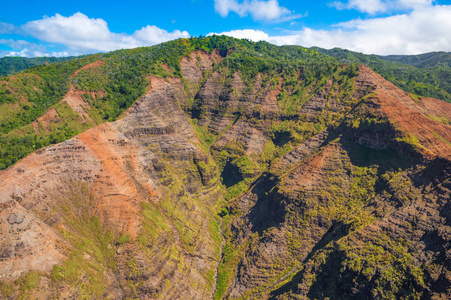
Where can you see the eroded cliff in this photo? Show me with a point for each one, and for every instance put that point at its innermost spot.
(333, 185)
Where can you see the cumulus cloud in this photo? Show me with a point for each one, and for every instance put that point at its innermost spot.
(259, 10)
(14, 44)
(253, 35)
(81, 34)
(411, 4)
(420, 31)
(381, 6)
(367, 6)
(25, 52)
(27, 49)
(154, 35)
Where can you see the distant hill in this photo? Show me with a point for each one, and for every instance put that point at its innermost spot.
(427, 74)
(12, 65)
(432, 59)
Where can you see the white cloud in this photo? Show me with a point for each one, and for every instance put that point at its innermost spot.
(154, 35)
(412, 4)
(259, 10)
(381, 6)
(20, 44)
(420, 31)
(25, 52)
(6, 28)
(367, 6)
(81, 34)
(25, 49)
(253, 35)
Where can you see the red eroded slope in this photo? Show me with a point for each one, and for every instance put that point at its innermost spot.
(411, 117)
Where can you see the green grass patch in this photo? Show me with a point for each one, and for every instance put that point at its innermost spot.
(441, 138)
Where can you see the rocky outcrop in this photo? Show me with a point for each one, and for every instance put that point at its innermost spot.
(194, 67)
(335, 216)
(408, 116)
(127, 169)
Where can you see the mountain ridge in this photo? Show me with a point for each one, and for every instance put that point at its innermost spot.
(424, 74)
(238, 179)
(12, 65)
(430, 59)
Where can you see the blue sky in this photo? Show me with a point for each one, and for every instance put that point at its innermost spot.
(61, 28)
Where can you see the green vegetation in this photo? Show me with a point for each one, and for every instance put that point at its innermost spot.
(93, 255)
(122, 79)
(25, 97)
(315, 206)
(426, 74)
(12, 65)
(123, 239)
(22, 286)
(432, 59)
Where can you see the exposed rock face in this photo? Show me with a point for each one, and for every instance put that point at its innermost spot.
(320, 210)
(51, 116)
(194, 66)
(26, 243)
(357, 207)
(138, 159)
(409, 116)
(75, 101)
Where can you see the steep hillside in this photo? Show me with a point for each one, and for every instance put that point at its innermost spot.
(50, 104)
(359, 211)
(243, 170)
(426, 74)
(432, 59)
(34, 111)
(12, 65)
(124, 209)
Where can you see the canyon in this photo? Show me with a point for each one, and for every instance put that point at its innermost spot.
(222, 184)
